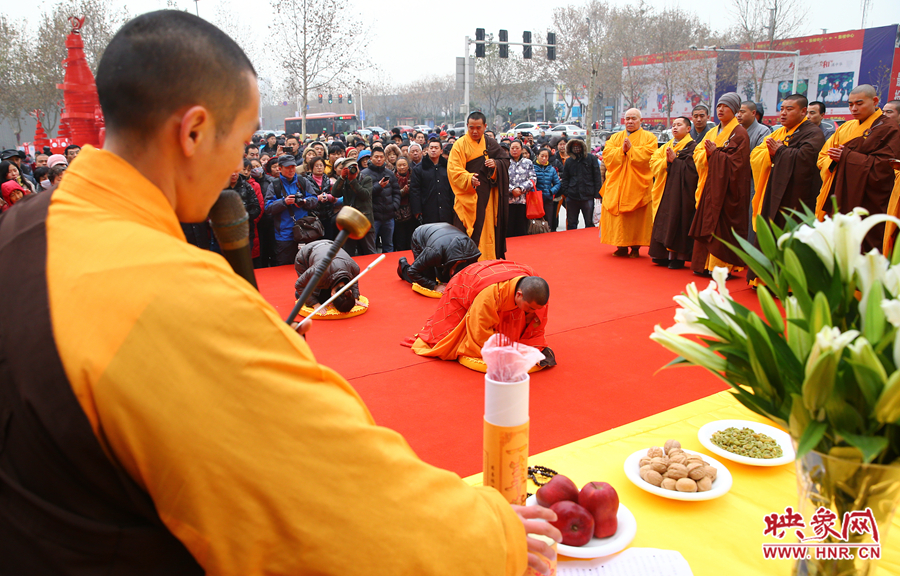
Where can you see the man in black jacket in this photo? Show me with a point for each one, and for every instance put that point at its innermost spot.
(581, 183)
(355, 190)
(239, 184)
(439, 251)
(385, 198)
(341, 270)
(430, 195)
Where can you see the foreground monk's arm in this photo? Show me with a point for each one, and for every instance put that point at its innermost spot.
(459, 177)
(261, 460)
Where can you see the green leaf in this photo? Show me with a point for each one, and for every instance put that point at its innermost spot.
(887, 409)
(870, 446)
(766, 241)
(842, 415)
(874, 320)
(811, 437)
(821, 314)
(800, 418)
(869, 381)
(770, 309)
(792, 264)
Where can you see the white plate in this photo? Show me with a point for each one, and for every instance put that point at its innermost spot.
(600, 547)
(783, 438)
(720, 486)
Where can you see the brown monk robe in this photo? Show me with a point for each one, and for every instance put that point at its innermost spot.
(723, 166)
(891, 109)
(480, 210)
(670, 244)
(784, 165)
(856, 163)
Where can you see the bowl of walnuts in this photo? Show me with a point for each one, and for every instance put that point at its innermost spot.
(672, 472)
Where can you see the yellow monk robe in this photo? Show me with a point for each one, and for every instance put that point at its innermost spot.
(761, 164)
(194, 384)
(718, 135)
(627, 216)
(659, 166)
(894, 210)
(848, 131)
(478, 210)
(493, 310)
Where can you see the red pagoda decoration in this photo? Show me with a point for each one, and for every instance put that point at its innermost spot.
(40, 136)
(79, 92)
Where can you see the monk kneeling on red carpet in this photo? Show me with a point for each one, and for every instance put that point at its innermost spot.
(489, 297)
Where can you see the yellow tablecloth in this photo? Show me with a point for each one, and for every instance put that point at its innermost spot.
(717, 537)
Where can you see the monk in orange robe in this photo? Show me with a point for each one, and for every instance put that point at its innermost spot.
(627, 216)
(494, 296)
(892, 110)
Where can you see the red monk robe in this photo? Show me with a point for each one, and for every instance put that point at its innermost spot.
(478, 302)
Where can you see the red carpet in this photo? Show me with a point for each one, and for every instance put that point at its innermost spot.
(602, 310)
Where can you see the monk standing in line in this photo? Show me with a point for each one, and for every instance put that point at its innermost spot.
(892, 110)
(723, 190)
(674, 193)
(856, 162)
(478, 170)
(627, 217)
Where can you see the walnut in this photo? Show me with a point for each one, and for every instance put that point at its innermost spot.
(644, 461)
(710, 472)
(696, 471)
(686, 485)
(671, 444)
(668, 483)
(655, 452)
(659, 464)
(678, 458)
(653, 477)
(704, 484)
(676, 471)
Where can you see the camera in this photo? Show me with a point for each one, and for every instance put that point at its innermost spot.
(353, 168)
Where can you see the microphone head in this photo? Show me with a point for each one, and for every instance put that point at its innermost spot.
(230, 222)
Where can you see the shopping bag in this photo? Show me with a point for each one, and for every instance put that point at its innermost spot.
(534, 203)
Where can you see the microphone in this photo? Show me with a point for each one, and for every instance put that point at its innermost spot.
(231, 225)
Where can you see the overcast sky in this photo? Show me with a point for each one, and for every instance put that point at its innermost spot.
(412, 39)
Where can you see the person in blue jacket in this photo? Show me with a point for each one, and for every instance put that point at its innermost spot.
(287, 199)
(547, 181)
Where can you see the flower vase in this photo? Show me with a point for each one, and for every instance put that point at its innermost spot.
(847, 508)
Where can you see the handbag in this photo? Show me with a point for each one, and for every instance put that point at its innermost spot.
(538, 226)
(308, 229)
(534, 205)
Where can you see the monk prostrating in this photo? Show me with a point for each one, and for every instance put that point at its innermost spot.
(478, 170)
(495, 296)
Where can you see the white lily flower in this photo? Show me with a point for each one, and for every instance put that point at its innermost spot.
(829, 339)
(820, 238)
(891, 309)
(720, 275)
(689, 350)
(892, 280)
(870, 267)
(690, 300)
(849, 232)
(686, 323)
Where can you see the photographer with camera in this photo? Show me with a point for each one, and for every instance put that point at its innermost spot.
(288, 199)
(385, 198)
(354, 188)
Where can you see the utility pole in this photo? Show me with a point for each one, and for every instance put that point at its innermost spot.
(197, 7)
(590, 107)
(466, 73)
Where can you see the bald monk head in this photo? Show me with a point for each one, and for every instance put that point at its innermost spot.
(532, 293)
(632, 120)
(892, 110)
(185, 134)
(863, 102)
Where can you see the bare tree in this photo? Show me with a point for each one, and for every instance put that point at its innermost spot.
(495, 78)
(12, 73)
(322, 43)
(762, 23)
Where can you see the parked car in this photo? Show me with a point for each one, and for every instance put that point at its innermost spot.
(569, 129)
(377, 129)
(404, 128)
(422, 128)
(527, 128)
(459, 128)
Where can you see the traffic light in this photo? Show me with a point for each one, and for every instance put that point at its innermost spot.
(349, 98)
(504, 47)
(340, 98)
(551, 49)
(526, 50)
(329, 99)
(509, 110)
(479, 42)
(320, 98)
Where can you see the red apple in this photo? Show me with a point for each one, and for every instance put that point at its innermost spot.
(559, 488)
(574, 522)
(602, 501)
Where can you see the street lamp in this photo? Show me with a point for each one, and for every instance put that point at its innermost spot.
(795, 53)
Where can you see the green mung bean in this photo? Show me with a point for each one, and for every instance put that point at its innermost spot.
(747, 442)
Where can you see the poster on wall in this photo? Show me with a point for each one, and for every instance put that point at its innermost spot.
(785, 89)
(834, 89)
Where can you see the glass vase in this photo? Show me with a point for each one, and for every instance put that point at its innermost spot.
(840, 498)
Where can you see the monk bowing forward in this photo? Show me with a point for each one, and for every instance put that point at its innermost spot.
(627, 219)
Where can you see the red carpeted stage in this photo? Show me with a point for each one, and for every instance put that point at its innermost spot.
(602, 310)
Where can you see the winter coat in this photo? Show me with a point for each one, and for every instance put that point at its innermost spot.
(521, 175)
(436, 247)
(356, 193)
(581, 178)
(283, 214)
(342, 269)
(250, 200)
(429, 191)
(197, 234)
(547, 179)
(385, 201)
(324, 210)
